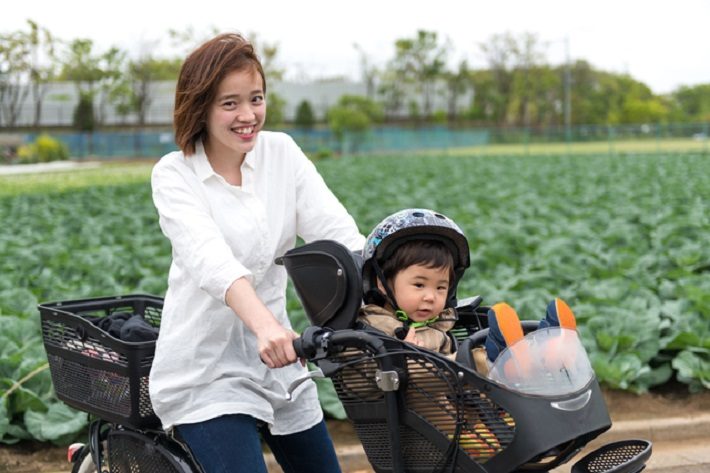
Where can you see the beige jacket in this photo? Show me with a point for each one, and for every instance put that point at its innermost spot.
(433, 337)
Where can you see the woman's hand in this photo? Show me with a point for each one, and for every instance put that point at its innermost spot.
(274, 341)
(275, 345)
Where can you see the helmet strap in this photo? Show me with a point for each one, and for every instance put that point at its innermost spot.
(403, 317)
(389, 295)
(375, 296)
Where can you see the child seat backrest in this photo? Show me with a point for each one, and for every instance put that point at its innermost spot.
(327, 278)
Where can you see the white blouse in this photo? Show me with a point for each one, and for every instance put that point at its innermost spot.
(206, 360)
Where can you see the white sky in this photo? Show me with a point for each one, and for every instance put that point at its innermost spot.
(664, 44)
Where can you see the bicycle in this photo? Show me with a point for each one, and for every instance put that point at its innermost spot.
(398, 397)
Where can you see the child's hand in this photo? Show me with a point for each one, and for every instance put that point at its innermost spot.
(412, 337)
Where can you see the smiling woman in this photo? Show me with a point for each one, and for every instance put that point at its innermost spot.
(230, 201)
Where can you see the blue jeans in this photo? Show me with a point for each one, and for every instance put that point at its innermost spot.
(232, 444)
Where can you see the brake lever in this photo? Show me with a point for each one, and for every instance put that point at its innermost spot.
(316, 373)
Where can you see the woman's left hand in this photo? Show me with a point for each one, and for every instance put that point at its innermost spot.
(274, 341)
(275, 346)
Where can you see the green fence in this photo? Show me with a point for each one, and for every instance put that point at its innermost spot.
(591, 139)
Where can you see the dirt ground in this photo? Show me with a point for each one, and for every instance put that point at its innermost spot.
(670, 401)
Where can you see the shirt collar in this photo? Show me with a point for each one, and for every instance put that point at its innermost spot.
(250, 158)
(203, 168)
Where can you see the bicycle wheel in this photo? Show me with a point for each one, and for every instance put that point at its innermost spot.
(84, 463)
(136, 452)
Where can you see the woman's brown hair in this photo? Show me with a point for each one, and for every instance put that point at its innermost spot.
(200, 75)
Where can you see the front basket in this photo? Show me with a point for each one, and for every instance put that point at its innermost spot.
(95, 372)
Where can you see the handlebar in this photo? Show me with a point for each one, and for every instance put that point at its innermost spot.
(317, 342)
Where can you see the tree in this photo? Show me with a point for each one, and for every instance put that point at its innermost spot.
(537, 97)
(14, 71)
(694, 102)
(597, 96)
(368, 72)
(84, 113)
(585, 103)
(392, 92)
(352, 117)
(82, 66)
(304, 115)
(493, 97)
(420, 61)
(113, 83)
(626, 99)
(517, 87)
(122, 99)
(268, 53)
(489, 103)
(275, 105)
(528, 59)
(644, 111)
(185, 40)
(42, 66)
(143, 72)
(457, 83)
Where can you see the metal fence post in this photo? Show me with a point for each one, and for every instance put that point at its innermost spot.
(610, 138)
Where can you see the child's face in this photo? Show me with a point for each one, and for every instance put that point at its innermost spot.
(237, 114)
(421, 291)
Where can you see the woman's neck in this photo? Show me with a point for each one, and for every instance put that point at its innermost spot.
(226, 163)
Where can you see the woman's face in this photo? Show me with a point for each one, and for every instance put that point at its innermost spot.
(236, 115)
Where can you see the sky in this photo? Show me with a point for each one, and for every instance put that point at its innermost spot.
(664, 44)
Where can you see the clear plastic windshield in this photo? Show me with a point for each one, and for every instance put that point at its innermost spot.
(549, 361)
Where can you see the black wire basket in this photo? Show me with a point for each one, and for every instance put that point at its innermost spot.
(95, 372)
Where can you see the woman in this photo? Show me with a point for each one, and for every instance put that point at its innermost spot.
(233, 199)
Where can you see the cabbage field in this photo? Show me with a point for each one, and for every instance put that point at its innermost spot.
(624, 239)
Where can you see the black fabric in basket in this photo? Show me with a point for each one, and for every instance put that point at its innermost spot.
(128, 327)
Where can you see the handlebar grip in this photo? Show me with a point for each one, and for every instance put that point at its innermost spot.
(307, 344)
(299, 348)
(317, 341)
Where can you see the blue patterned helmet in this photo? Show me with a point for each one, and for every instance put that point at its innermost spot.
(413, 224)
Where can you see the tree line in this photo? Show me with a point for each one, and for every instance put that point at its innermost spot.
(517, 87)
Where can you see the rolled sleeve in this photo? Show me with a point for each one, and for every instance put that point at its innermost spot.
(320, 214)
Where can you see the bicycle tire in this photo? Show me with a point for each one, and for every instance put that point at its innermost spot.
(84, 463)
(131, 451)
